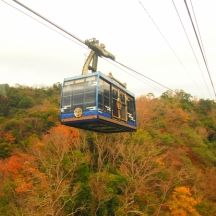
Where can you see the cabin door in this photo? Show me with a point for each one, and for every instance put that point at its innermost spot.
(119, 104)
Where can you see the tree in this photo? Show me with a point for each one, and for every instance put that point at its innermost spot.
(182, 203)
(59, 157)
(25, 102)
(41, 181)
(4, 108)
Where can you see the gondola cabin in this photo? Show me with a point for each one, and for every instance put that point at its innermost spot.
(97, 102)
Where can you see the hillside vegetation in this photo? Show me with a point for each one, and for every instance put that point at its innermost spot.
(167, 167)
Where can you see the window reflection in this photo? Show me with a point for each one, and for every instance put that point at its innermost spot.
(131, 108)
(104, 96)
(79, 93)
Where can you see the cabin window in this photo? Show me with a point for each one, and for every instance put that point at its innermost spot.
(66, 101)
(67, 90)
(90, 93)
(79, 93)
(115, 102)
(122, 97)
(131, 109)
(104, 96)
(119, 105)
(66, 97)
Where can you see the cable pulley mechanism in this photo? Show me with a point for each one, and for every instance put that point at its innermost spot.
(97, 49)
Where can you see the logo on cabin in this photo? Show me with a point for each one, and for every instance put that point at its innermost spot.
(78, 112)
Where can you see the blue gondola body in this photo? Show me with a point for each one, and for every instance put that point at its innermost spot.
(97, 102)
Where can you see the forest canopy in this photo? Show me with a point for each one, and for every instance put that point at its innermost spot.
(166, 167)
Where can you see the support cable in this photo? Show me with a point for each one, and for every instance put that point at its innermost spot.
(151, 85)
(47, 20)
(136, 72)
(190, 44)
(42, 23)
(197, 26)
(78, 39)
(199, 33)
(161, 33)
(200, 47)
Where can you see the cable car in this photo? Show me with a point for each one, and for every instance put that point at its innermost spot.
(97, 102)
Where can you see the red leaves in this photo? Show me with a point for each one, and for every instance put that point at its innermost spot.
(11, 165)
(21, 167)
(67, 132)
(62, 138)
(17, 168)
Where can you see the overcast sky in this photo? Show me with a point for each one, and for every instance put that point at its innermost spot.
(34, 55)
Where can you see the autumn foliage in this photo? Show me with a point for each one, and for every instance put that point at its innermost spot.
(182, 203)
(165, 168)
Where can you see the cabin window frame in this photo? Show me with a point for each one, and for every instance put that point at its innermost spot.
(117, 100)
(78, 91)
(104, 96)
(131, 108)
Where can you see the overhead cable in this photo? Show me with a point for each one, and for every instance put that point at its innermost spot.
(161, 33)
(136, 72)
(43, 23)
(47, 20)
(199, 33)
(197, 26)
(78, 39)
(190, 44)
(200, 47)
(152, 85)
(163, 36)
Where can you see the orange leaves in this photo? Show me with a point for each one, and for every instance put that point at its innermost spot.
(67, 132)
(11, 165)
(14, 164)
(177, 116)
(24, 187)
(208, 183)
(160, 114)
(181, 192)
(182, 203)
(8, 137)
(63, 133)
(145, 108)
(61, 138)
(17, 168)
